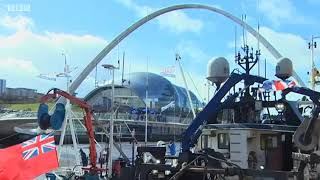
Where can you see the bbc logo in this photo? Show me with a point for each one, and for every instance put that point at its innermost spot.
(19, 7)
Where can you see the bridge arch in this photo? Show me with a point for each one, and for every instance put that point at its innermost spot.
(76, 83)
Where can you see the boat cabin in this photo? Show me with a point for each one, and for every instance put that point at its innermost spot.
(250, 145)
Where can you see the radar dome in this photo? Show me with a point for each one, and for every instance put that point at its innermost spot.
(218, 70)
(284, 68)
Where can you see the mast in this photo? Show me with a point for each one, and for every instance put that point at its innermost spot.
(66, 70)
(235, 41)
(313, 73)
(111, 129)
(112, 69)
(178, 58)
(265, 68)
(146, 125)
(122, 79)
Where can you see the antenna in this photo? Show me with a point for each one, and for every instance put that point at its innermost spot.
(258, 48)
(147, 103)
(265, 68)
(129, 72)
(245, 32)
(235, 40)
(258, 4)
(244, 42)
(118, 52)
(122, 79)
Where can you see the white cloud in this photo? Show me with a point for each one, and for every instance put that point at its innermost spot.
(25, 54)
(18, 23)
(192, 51)
(179, 22)
(175, 21)
(17, 66)
(289, 45)
(282, 11)
(63, 38)
(18, 72)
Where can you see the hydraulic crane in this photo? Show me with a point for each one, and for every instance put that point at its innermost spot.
(55, 93)
(305, 137)
(209, 113)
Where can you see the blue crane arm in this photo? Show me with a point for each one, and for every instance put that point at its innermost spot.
(315, 97)
(211, 110)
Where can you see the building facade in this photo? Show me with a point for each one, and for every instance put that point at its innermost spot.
(164, 100)
(2, 86)
(21, 92)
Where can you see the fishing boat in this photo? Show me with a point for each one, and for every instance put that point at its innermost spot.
(248, 129)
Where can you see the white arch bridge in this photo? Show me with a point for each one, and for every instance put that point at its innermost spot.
(76, 83)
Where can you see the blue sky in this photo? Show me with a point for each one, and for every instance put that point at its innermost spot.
(33, 34)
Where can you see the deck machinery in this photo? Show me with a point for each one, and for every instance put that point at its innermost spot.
(236, 135)
(239, 135)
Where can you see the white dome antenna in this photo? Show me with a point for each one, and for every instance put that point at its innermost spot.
(218, 70)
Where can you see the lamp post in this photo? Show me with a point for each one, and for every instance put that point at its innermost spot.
(312, 45)
(111, 68)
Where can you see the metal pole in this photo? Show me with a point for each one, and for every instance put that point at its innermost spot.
(312, 65)
(66, 71)
(73, 135)
(133, 141)
(122, 79)
(111, 129)
(63, 132)
(146, 125)
(208, 83)
(312, 46)
(68, 117)
(185, 84)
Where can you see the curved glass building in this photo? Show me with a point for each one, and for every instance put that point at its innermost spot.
(163, 98)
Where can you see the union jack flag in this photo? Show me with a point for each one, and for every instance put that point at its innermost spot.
(278, 85)
(38, 145)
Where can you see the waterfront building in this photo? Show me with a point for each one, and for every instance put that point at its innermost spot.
(2, 86)
(165, 100)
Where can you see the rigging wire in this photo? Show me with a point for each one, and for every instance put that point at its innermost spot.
(195, 86)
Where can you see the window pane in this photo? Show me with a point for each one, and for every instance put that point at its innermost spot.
(223, 141)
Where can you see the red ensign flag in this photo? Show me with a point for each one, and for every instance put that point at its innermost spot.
(28, 159)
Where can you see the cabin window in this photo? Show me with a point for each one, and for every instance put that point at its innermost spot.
(268, 141)
(204, 141)
(223, 141)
